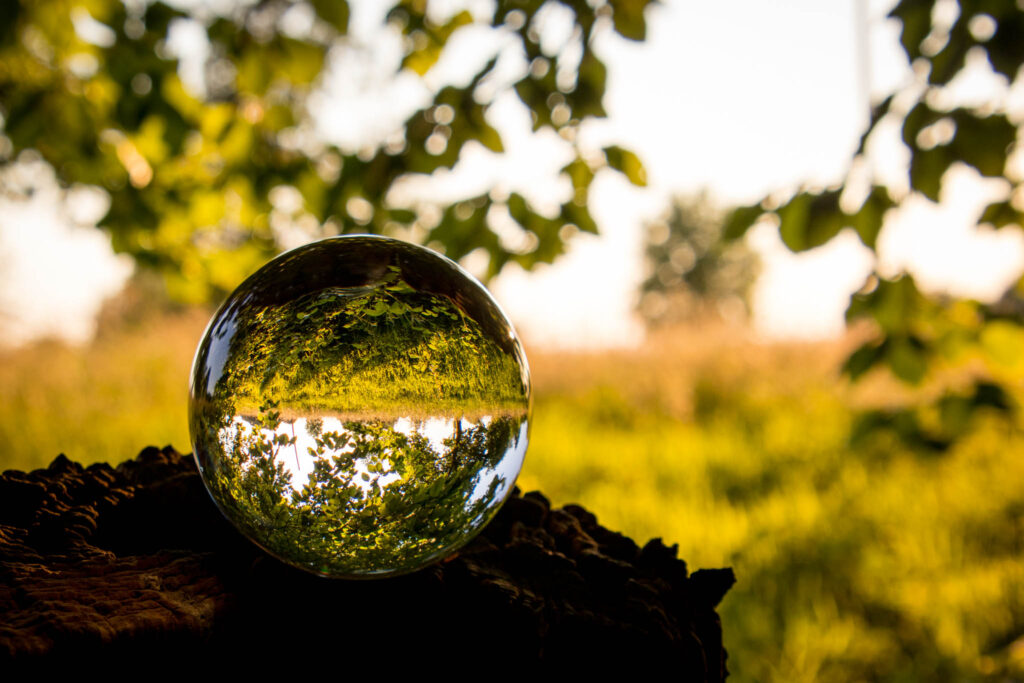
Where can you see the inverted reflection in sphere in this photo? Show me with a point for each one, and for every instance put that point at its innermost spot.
(359, 407)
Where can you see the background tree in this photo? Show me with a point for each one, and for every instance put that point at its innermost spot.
(916, 335)
(93, 87)
(691, 271)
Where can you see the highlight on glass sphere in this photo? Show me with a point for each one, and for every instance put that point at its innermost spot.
(359, 407)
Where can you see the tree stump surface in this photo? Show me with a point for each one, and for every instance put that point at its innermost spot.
(135, 564)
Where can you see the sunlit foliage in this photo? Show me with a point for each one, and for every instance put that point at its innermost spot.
(94, 87)
(917, 335)
(342, 521)
(377, 349)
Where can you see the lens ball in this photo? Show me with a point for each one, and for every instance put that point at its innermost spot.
(359, 407)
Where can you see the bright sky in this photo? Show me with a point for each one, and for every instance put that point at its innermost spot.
(739, 97)
(55, 266)
(747, 98)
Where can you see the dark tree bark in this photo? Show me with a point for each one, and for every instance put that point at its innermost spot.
(135, 566)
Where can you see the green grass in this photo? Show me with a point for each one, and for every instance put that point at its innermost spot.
(878, 563)
(388, 349)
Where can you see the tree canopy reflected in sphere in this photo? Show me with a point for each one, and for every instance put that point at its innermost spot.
(360, 407)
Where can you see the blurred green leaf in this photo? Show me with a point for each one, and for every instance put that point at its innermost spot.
(302, 61)
(403, 215)
(1001, 214)
(578, 215)
(334, 12)
(1005, 49)
(916, 22)
(927, 168)
(809, 220)
(463, 228)
(434, 39)
(950, 59)
(907, 358)
(892, 304)
(628, 18)
(868, 220)
(588, 96)
(740, 220)
(627, 163)
(866, 357)
(981, 141)
(545, 229)
(575, 210)
(9, 13)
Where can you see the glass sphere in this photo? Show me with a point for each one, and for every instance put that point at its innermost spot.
(359, 407)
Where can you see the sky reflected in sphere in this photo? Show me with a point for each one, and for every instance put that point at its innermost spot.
(360, 407)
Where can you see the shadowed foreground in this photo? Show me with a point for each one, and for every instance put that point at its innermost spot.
(136, 564)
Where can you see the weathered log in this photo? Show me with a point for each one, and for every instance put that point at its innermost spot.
(136, 564)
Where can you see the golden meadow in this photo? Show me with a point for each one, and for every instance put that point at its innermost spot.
(875, 563)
